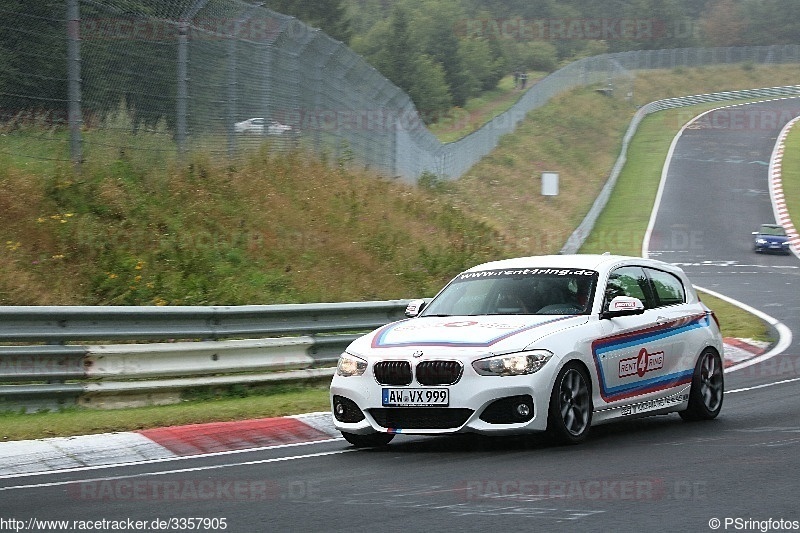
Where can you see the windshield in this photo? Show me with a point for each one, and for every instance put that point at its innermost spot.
(773, 230)
(530, 291)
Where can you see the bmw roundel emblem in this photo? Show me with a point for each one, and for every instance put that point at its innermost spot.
(418, 353)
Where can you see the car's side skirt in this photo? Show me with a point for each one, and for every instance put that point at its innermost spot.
(677, 401)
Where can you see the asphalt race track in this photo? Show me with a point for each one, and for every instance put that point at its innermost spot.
(715, 195)
(736, 473)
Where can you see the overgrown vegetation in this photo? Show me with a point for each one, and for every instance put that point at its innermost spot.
(266, 229)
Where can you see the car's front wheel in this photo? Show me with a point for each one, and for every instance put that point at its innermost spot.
(705, 395)
(570, 412)
(371, 440)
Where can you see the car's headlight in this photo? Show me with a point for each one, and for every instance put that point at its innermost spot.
(513, 364)
(350, 365)
(761, 241)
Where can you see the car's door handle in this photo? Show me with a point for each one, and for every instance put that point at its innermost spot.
(662, 320)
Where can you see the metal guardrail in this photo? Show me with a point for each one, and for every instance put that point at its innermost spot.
(190, 346)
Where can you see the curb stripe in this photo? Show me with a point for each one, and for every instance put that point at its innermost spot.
(238, 435)
(776, 189)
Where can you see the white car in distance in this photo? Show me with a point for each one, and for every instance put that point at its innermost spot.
(261, 126)
(551, 344)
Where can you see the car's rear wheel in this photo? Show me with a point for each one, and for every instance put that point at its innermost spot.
(705, 396)
(570, 413)
(371, 440)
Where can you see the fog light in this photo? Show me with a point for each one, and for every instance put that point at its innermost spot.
(509, 410)
(346, 410)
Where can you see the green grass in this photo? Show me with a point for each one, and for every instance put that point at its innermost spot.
(734, 322)
(279, 401)
(790, 175)
(480, 110)
(621, 226)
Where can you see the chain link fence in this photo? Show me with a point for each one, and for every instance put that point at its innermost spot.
(92, 79)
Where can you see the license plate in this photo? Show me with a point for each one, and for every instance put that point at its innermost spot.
(416, 397)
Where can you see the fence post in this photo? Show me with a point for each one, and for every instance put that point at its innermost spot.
(180, 111)
(232, 86)
(183, 76)
(74, 118)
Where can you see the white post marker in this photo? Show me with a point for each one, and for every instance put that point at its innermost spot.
(549, 183)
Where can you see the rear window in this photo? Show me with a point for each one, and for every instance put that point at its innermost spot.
(669, 289)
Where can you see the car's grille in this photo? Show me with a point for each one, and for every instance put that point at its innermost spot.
(392, 372)
(438, 372)
(420, 417)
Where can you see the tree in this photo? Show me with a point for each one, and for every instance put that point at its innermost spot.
(428, 89)
(395, 59)
(433, 28)
(763, 28)
(531, 55)
(485, 65)
(328, 15)
(723, 24)
(34, 49)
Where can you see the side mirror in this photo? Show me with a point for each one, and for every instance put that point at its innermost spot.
(623, 306)
(415, 307)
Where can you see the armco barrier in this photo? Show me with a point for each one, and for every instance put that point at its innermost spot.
(62, 354)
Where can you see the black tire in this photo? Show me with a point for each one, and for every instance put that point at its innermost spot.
(371, 440)
(569, 416)
(708, 385)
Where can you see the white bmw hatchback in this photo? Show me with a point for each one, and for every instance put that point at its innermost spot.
(553, 343)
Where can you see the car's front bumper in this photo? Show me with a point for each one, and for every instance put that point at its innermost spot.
(477, 404)
(776, 247)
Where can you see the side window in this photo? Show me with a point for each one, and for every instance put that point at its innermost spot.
(669, 289)
(628, 281)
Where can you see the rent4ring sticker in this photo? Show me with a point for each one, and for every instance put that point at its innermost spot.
(416, 397)
(640, 365)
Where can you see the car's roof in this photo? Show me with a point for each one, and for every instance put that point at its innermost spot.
(586, 261)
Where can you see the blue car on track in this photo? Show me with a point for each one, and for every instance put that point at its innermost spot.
(771, 238)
